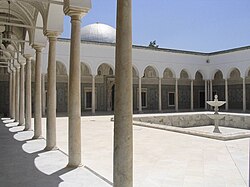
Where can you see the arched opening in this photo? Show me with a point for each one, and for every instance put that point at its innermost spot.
(199, 91)
(235, 90)
(61, 87)
(184, 91)
(149, 89)
(105, 74)
(218, 87)
(168, 90)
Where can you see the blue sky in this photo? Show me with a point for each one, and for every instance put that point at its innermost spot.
(194, 25)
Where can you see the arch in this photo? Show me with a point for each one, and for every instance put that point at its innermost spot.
(234, 73)
(60, 68)
(199, 76)
(105, 69)
(184, 74)
(39, 38)
(248, 72)
(213, 72)
(168, 74)
(135, 71)
(85, 69)
(150, 72)
(218, 75)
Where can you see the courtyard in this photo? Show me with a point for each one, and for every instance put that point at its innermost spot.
(161, 158)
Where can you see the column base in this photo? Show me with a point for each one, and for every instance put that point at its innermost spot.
(74, 166)
(27, 129)
(20, 124)
(140, 112)
(37, 137)
(47, 148)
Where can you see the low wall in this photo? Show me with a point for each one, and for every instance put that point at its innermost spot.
(194, 120)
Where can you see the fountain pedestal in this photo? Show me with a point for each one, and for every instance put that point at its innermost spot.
(216, 116)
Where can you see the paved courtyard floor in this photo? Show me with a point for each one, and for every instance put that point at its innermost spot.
(161, 158)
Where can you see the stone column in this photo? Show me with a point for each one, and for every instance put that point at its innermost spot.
(17, 93)
(244, 93)
(206, 95)
(74, 97)
(123, 129)
(211, 91)
(139, 96)
(10, 93)
(176, 95)
(160, 106)
(28, 94)
(38, 99)
(43, 94)
(13, 107)
(21, 98)
(192, 95)
(226, 94)
(51, 93)
(93, 94)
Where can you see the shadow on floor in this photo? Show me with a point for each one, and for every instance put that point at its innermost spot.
(17, 166)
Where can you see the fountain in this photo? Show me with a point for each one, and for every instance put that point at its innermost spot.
(216, 116)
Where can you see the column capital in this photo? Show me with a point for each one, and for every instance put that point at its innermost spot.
(52, 34)
(38, 48)
(75, 13)
(27, 56)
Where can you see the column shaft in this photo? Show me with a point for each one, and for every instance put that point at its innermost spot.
(28, 95)
(160, 106)
(176, 95)
(244, 93)
(139, 95)
(43, 94)
(93, 94)
(74, 94)
(13, 94)
(192, 95)
(38, 107)
(17, 94)
(51, 96)
(211, 90)
(206, 95)
(10, 94)
(123, 129)
(226, 94)
(21, 98)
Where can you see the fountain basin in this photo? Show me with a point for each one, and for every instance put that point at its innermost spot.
(238, 125)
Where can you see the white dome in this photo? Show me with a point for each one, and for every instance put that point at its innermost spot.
(98, 32)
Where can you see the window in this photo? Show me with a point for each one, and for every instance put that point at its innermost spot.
(171, 99)
(143, 97)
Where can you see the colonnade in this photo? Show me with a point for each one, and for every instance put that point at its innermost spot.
(123, 134)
